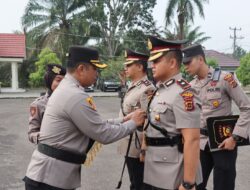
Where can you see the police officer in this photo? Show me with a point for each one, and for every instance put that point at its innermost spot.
(70, 125)
(172, 136)
(135, 97)
(217, 89)
(52, 77)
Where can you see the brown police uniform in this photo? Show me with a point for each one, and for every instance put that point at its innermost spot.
(70, 122)
(217, 99)
(173, 107)
(37, 108)
(216, 92)
(136, 96)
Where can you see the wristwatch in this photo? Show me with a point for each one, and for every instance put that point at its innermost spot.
(143, 152)
(187, 185)
(236, 137)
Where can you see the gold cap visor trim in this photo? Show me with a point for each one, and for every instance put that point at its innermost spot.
(129, 62)
(155, 56)
(159, 50)
(100, 65)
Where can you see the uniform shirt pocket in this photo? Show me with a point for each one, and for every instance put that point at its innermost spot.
(214, 99)
(161, 108)
(165, 154)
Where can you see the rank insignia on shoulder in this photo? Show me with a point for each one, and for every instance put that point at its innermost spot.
(146, 82)
(139, 83)
(188, 100)
(169, 83)
(90, 101)
(33, 111)
(230, 79)
(183, 84)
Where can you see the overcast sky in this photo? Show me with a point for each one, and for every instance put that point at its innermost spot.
(219, 16)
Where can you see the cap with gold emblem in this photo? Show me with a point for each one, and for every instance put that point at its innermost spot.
(51, 71)
(85, 55)
(158, 46)
(132, 56)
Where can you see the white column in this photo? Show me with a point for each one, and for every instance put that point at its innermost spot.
(14, 72)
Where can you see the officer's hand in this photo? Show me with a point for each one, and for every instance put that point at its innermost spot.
(128, 117)
(228, 144)
(142, 157)
(139, 117)
(182, 188)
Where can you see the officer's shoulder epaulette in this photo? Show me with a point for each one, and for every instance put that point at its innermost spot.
(169, 82)
(183, 84)
(216, 74)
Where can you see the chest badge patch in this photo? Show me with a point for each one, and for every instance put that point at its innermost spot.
(213, 83)
(157, 117)
(215, 103)
(91, 103)
(188, 100)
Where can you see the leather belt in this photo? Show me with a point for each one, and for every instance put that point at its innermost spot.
(163, 141)
(62, 155)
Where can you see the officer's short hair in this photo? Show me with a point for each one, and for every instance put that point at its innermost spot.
(74, 65)
(144, 65)
(177, 54)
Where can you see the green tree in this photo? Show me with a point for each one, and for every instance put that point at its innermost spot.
(194, 36)
(49, 23)
(239, 52)
(212, 62)
(115, 18)
(45, 57)
(243, 71)
(113, 69)
(185, 12)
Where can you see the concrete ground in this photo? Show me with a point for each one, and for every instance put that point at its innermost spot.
(15, 151)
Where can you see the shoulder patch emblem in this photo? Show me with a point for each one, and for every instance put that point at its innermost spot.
(188, 100)
(230, 79)
(90, 101)
(183, 84)
(33, 111)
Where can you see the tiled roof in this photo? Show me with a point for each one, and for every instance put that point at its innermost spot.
(12, 45)
(222, 59)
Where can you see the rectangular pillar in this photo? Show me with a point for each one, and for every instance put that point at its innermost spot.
(14, 72)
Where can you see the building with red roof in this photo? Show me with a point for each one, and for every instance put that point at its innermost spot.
(226, 62)
(12, 51)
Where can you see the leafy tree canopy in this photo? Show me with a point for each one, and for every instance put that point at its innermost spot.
(243, 71)
(45, 57)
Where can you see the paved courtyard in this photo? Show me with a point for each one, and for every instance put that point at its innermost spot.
(15, 150)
